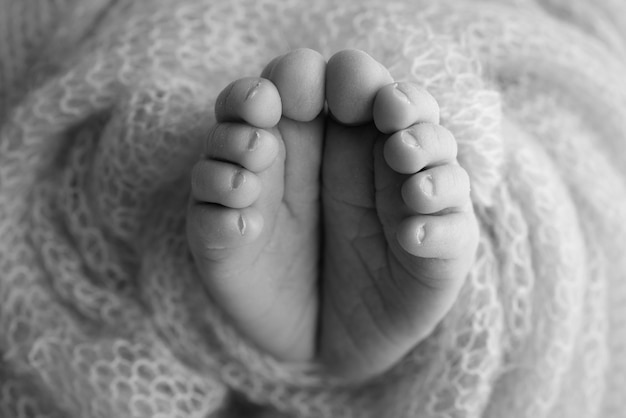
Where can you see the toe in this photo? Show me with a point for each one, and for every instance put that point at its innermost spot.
(400, 105)
(224, 183)
(447, 236)
(426, 144)
(253, 100)
(299, 77)
(252, 148)
(211, 228)
(445, 187)
(352, 80)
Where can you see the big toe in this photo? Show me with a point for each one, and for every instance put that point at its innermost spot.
(353, 79)
(299, 77)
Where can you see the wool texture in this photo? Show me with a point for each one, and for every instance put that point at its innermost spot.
(103, 108)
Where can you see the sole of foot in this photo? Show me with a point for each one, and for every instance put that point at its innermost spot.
(400, 234)
(253, 222)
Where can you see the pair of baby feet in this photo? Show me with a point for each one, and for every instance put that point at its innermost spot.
(342, 238)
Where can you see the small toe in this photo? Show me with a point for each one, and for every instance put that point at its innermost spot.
(299, 77)
(212, 228)
(448, 236)
(253, 100)
(444, 187)
(224, 183)
(426, 144)
(400, 105)
(252, 148)
(352, 80)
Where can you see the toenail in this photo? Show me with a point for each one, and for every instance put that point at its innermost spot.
(401, 94)
(241, 224)
(238, 180)
(253, 91)
(420, 233)
(427, 186)
(253, 143)
(409, 139)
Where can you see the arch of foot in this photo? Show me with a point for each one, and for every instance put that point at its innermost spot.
(451, 373)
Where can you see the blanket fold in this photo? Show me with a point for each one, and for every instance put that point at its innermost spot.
(103, 109)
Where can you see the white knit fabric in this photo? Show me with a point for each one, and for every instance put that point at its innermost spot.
(103, 105)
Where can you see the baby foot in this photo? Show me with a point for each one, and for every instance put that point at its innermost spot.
(253, 225)
(400, 232)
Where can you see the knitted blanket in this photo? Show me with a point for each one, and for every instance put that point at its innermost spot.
(103, 105)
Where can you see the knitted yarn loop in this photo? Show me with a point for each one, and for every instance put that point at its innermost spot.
(103, 107)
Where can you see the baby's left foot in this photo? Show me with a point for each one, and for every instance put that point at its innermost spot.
(400, 232)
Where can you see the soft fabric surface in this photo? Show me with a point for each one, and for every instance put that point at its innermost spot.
(103, 104)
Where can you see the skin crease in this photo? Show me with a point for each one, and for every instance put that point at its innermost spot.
(399, 230)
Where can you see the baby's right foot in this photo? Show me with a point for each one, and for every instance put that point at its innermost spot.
(253, 225)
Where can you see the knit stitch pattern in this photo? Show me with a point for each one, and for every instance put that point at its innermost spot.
(103, 108)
